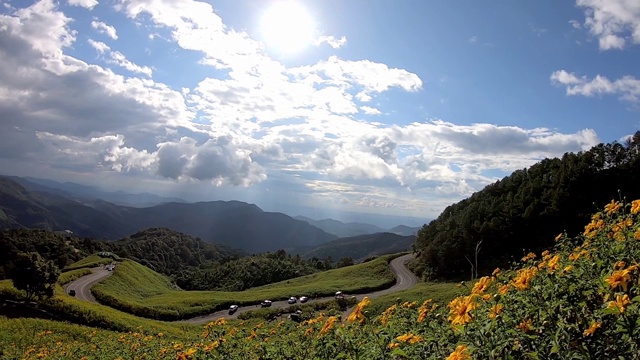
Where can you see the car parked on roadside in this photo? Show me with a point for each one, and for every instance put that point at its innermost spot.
(292, 300)
(265, 303)
(339, 295)
(233, 309)
(72, 292)
(303, 299)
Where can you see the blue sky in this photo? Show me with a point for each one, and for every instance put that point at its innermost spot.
(311, 107)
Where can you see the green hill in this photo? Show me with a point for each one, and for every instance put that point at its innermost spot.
(524, 211)
(362, 247)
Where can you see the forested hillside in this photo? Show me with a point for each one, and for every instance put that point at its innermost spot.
(247, 272)
(521, 212)
(169, 252)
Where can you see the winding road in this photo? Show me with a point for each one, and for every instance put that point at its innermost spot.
(405, 279)
(83, 285)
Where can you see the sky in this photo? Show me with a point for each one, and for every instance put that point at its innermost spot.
(316, 108)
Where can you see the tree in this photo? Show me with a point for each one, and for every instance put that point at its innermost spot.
(35, 275)
(345, 261)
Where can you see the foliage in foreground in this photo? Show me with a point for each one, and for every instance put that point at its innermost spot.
(580, 301)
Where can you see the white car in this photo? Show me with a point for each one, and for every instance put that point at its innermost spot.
(265, 303)
(232, 309)
(339, 295)
(292, 300)
(304, 299)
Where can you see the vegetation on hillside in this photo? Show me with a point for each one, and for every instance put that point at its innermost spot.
(138, 290)
(362, 247)
(247, 272)
(523, 211)
(170, 252)
(579, 301)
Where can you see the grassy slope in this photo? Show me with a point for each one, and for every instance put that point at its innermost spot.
(89, 262)
(138, 290)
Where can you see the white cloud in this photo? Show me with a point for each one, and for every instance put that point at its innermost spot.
(332, 41)
(99, 46)
(370, 111)
(473, 39)
(613, 22)
(89, 4)
(119, 59)
(575, 24)
(627, 87)
(103, 28)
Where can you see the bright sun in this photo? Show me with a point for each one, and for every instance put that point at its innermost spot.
(287, 27)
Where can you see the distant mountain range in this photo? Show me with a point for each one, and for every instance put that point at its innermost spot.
(341, 229)
(55, 206)
(362, 247)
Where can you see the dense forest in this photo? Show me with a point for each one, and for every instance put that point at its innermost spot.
(525, 211)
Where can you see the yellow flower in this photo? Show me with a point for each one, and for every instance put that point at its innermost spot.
(408, 305)
(221, 322)
(559, 236)
(529, 256)
(481, 286)
(635, 207)
(525, 325)
(191, 351)
(211, 346)
(460, 353)
(410, 338)
(495, 311)
(177, 346)
(423, 310)
(460, 308)
(393, 345)
(619, 236)
(636, 235)
(546, 252)
(308, 332)
(503, 289)
(618, 278)
(329, 324)
(553, 263)
(592, 329)
(523, 279)
(387, 314)
(620, 303)
(357, 315)
(612, 207)
(568, 268)
(619, 265)
(496, 272)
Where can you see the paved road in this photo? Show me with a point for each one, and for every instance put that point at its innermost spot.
(404, 280)
(83, 285)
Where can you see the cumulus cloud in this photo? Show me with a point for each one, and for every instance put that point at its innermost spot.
(103, 28)
(370, 111)
(251, 120)
(627, 87)
(332, 41)
(219, 160)
(614, 22)
(89, 4)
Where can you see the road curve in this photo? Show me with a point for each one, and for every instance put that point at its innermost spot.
(83, 285)
(405, 279)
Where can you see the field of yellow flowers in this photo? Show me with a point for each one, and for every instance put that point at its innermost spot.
(579, 301)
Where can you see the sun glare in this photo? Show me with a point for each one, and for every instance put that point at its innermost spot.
(287, 27)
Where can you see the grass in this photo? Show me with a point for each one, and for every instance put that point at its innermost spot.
(70, 309)
(138, 290)
(88, 262)
(71, 275)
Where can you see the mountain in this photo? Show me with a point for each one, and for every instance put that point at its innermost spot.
(83, 192)
(340, 229)
(21, 208)
(362, 247)
(233, 223)
(404, 230)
